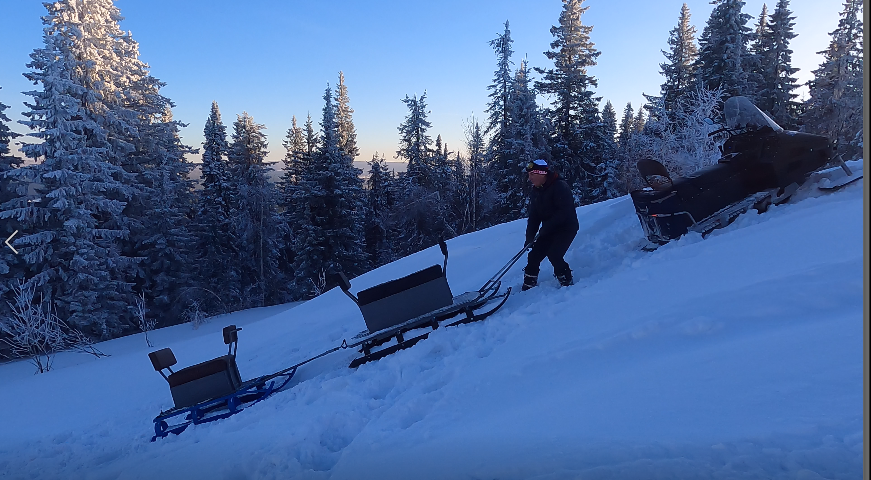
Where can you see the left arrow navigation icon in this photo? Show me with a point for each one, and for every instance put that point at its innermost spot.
(10, 238)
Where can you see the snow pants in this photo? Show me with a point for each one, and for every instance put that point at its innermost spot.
(554, 247)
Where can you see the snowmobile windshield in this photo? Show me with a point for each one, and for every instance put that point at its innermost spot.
(740, 113)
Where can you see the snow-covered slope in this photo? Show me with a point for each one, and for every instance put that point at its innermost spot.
(735, 356)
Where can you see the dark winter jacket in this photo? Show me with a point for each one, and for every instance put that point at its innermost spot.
(552, 207)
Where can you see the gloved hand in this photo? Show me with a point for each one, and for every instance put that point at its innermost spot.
(529, 241)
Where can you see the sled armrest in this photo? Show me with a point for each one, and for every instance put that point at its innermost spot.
(345, 284)
(161, 359)
(444, 247)
(231, 338)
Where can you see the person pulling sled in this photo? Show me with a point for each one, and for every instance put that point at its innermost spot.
(552, 208)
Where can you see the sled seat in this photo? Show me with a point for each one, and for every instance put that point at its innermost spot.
(391, 303)
(213, 378)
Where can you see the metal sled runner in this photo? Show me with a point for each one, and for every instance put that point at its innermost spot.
(210, 390)
(421, 300)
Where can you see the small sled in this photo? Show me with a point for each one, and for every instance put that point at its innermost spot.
(210, 390)
(761, 164)
(421, 300)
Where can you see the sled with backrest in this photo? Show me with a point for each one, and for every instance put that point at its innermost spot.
(210, 390)
(421, 300)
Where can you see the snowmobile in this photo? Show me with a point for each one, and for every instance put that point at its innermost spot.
(761, 164)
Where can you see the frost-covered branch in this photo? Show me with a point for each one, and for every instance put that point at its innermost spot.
(36, 332)
(145, 325)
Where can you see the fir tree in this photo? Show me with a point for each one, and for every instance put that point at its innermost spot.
(500, 89)
(75, 228)
(776, 73)
(499, 162)
(626, 125)
(639, 121)
(526, 141)
(478, 185)
(611, 161)
(331, 240)
(8, 192)
(8, 161)
(166, 242)
(296, 159)
(626, 162)
(258, 224)
(421, 218)
(379, 202)
(574, 111)
(312, 140)
(679, 70)
(724, 60)
(217, 244)
(836, 103)
(414, 142)
(344, 122)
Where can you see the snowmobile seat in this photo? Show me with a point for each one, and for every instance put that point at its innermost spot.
(691, 199)
(654, 174)
(210, 379)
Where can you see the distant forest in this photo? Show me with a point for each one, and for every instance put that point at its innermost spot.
(115, 236)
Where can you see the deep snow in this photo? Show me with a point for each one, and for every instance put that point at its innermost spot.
(735, 356)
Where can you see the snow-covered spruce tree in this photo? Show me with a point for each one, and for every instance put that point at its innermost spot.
(442, 188)
(295, 161)
(258, 224)
(526, 141)
(218, 285)
(479, 186)
(679, 70)
(611, 159)
(8, 160)
(344, 120)
(574, 112)
(724, 60)
(501, 167)
(639, 121)
(415, 145)
(776, 73)
(835, 105)
(419, 218)
(379, 201)
(8, 192)
(139, 125)
(166, 239)
(626, 162)
(312, 139)
(460, 196)
(331, 240)
(75, 226)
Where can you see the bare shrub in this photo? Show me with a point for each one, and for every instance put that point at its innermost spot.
(195, 315)
(320, 285)
(145, 325)
(36, 333)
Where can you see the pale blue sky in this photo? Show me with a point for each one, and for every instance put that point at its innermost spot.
(273, 58)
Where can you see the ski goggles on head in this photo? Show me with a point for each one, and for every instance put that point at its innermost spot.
(531, 167)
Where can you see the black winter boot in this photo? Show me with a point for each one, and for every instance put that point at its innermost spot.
(564, 277)
(529, 280)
